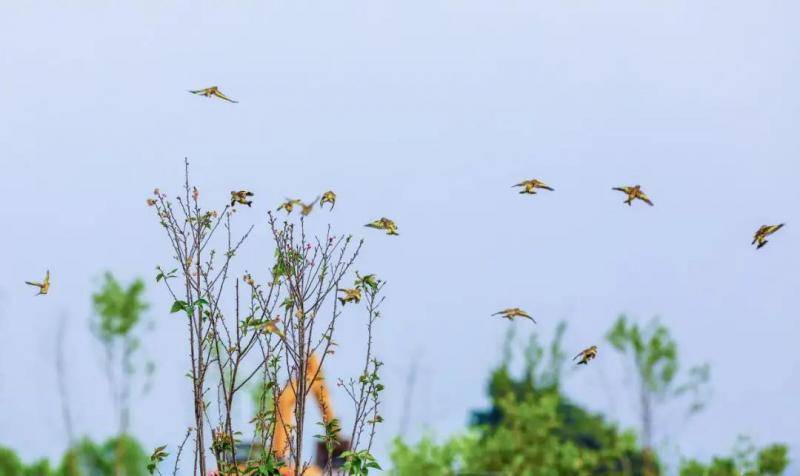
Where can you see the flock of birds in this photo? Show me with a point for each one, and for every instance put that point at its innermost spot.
(529, 187)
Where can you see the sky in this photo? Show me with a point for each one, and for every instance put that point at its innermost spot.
(427, 112)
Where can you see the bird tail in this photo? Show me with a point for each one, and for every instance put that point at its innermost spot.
(249, 204)
(762, 244)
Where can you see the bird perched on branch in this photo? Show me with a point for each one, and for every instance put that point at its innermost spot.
(328, 197)
(288, 205)
(44, 286)
(633, 193)
(212, 91)
(384, 224)
(513, 312)
(763, 232)
(530, 186)
(241, 198)
(586, 355)
(350, 295)
(305, 210)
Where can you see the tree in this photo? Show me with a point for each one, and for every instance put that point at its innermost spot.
(655, 356)
(118, 312)
(270, 329)
(531, 428)
(771, 460)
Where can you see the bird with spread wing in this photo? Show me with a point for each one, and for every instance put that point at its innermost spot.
(763, 232)
(513, 312)
(241, 197)
(212, 91)
(529, 186)
(44, 286)
(350, 295)
(305, 209)
(289, 204)
(384, 224)
(586, 355)
(328, 197)
(635, 192)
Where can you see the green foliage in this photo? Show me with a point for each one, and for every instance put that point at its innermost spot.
(156, 458)
(266, 465)
(531, 428)
(119, 309)
(773, 459)
(745, 461)
(186, 307)
(329, 437)
(10, 463)
(119, 456)
(655, 354)
(429, 458)
(122, 456)
(286, 263)
(358, 463)
(165, 275)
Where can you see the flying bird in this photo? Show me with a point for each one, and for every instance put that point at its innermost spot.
(586, 355)
(328, 197)
(763, 232)
(212, 91)
(271, 327)
(384, 224)
(305, 210)
(288, 205)
(633, 193)
(513, 312)
(350, 295)
(44, 286)
(530, 186)
(241, 197)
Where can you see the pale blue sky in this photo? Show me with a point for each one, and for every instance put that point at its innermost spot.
(425, 111)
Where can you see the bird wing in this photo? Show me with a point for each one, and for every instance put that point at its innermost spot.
(621, 189)
(373, 225)
(197, 91)
(581, 353)
(224, 97)
(775, 228)
(645, 199)
(34, 283)
(759, 234)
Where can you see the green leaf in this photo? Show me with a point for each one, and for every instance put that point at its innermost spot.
(178, 306)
